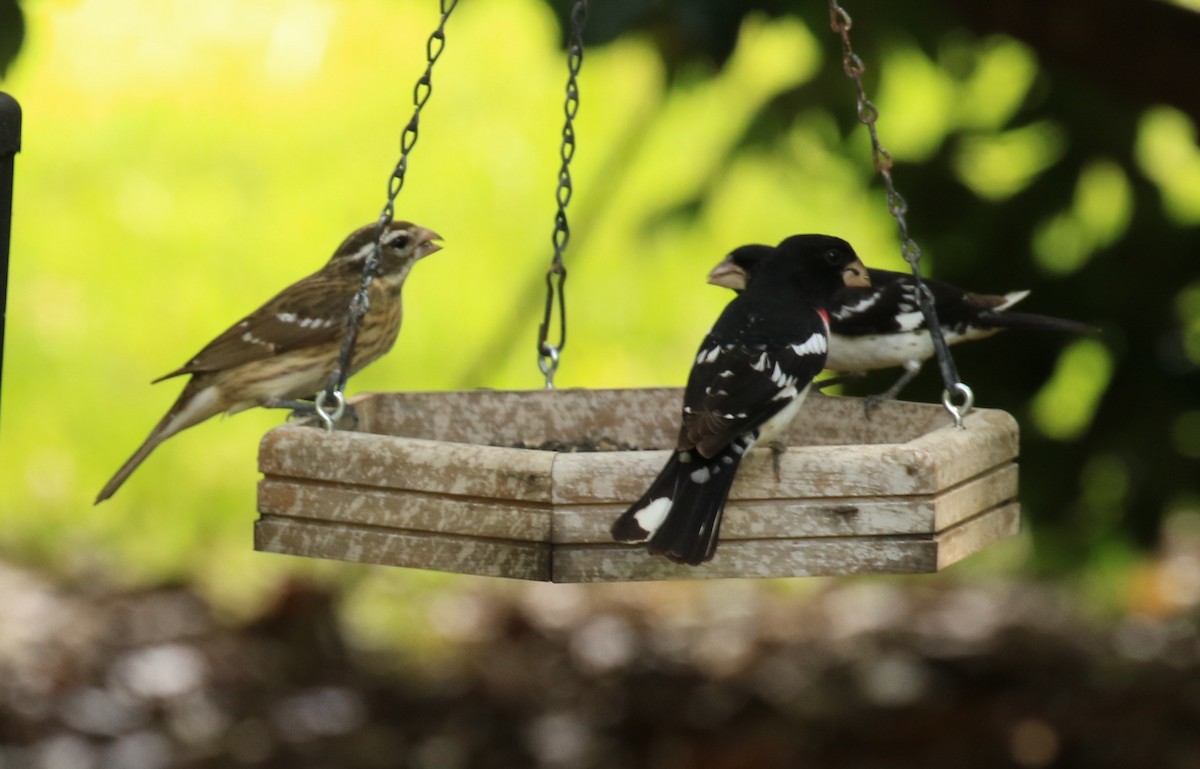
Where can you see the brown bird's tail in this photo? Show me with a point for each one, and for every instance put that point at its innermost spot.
(195, 404)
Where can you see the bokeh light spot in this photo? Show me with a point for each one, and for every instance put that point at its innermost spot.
(998, 166)
(1064, 407)
(1168, 154)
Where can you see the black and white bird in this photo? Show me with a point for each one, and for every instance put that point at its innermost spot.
(881, 325)
(748, 381)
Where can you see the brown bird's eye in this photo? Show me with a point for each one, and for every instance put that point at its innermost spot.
(400, 241)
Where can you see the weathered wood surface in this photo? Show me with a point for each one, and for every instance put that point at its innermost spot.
(803, 557)
(782, 518)
(396, 462)
(929, 463)
(973, 535)
(431, 480)
(419, 550)
(413, 511)
(646, 417)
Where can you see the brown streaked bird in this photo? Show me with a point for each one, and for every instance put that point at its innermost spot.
(287, 349)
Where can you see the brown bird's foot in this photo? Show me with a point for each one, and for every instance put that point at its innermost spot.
(349, 420)
(778, 449)
(300, 409)
(305, 409)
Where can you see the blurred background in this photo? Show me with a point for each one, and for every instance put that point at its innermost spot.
(182, 161)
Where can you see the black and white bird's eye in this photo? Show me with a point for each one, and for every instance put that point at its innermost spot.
(833, 257)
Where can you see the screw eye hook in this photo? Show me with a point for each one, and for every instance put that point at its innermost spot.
(961, 410)
(548, 363)
(329, 413)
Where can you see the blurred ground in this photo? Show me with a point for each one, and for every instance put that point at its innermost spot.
(863, 673)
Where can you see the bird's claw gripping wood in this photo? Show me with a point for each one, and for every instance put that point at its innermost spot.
(306, 409)
(778, 449)
(872, 402)
(299, 409)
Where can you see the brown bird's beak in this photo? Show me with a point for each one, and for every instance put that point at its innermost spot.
(855, 275)
(425, 244)
(728, 275)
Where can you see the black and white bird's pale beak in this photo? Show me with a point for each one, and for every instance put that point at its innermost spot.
(425, 244)
(855, 275)
(728, 275)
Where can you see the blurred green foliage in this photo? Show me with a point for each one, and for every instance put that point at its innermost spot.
(183, 161)
(12, 33)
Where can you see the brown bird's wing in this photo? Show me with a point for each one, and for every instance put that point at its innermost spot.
(310, 312)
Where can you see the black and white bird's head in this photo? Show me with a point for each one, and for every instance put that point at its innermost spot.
(735, 269)
(810, 260)
(402, 245)
(815, 266)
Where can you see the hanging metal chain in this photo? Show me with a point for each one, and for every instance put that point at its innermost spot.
(556, 276)
(867, 115)
(331, 401)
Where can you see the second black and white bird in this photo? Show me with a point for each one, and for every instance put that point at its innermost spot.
(748, 381)
(881, 325)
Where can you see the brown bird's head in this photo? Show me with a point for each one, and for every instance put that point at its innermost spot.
(402, 245)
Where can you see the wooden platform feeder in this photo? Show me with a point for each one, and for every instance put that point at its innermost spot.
(442, 481)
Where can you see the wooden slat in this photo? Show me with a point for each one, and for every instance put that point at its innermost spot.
(827, 517)
(817, 557)
(300, 451)
(952, 455)
(645, 416)
(769, 519)
(648, 417)
(463, 555)
(833, 471)
(409, 510)
(831, 420)
(983, 492)
(972, 536)
(804, 471)
(750, 558)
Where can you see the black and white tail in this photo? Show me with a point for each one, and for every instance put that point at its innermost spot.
(680, 515)
(1026, 321)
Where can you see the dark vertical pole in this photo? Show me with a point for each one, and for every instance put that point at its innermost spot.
(10, 145)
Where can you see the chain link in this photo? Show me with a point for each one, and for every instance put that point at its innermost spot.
(868, 114)
(556, 275)
(361, 302)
